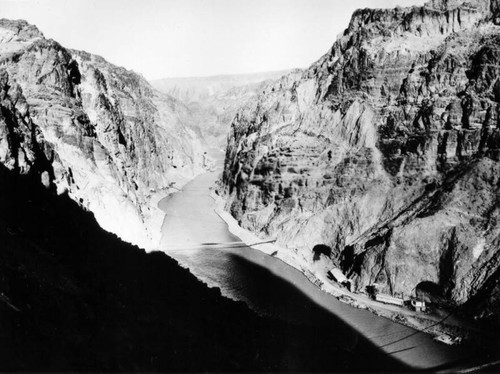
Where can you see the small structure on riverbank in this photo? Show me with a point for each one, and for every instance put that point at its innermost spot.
(339, 277)
(448, 339)
(417, 305)
(388, 299)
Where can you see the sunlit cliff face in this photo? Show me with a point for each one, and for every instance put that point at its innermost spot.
(92, 129)
(385, 150)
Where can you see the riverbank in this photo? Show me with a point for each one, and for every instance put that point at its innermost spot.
(439, 323)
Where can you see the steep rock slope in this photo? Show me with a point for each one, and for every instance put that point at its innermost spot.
(386, 150)
(90, 128)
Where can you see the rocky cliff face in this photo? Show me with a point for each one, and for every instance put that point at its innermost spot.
(386, 149)
(91, 129)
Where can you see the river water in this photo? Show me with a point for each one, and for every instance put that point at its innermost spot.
(199, 240)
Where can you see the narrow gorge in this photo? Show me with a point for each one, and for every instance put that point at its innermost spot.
(87, 149)
(234, 222)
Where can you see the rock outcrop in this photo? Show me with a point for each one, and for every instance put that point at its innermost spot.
(93, 130)
(386, 150)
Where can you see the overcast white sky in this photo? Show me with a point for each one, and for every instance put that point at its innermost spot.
(179, 38)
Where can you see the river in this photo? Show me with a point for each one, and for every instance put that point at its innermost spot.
(199, 240)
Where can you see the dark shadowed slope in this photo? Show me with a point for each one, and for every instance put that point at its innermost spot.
(74, 297)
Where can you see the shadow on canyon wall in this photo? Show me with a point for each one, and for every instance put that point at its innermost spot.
(75, 297)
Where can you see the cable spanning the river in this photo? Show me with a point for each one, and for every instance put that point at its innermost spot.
(227, 245)
(417, 332)
(194, 219)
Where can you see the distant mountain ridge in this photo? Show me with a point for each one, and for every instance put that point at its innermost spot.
(190, 89)
(214, 100)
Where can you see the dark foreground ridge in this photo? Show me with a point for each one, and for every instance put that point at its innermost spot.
(74, 297)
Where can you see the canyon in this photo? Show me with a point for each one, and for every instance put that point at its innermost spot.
(381, 159)
(385, 151)
(87, 149)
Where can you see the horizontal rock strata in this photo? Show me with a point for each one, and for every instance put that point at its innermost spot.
(386, 150)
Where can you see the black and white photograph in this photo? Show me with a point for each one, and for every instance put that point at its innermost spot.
(250, 186)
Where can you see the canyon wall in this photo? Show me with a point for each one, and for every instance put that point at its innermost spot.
(386, 150)
(93, 130)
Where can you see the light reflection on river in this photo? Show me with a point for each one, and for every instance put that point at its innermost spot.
(271, 287)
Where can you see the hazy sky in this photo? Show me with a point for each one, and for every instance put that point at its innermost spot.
(175, 38)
